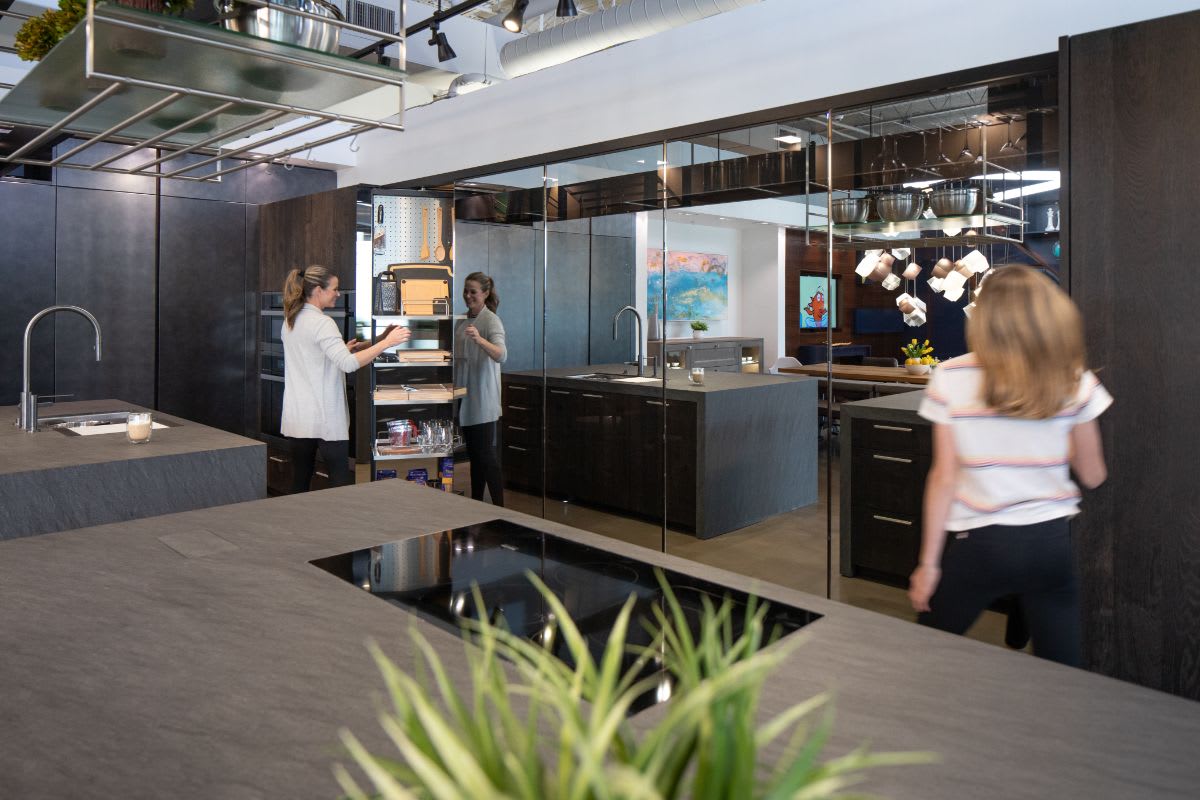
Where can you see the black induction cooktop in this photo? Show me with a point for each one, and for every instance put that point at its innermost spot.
(432, 576)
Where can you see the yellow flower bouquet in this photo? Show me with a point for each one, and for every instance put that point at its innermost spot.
(917, 353)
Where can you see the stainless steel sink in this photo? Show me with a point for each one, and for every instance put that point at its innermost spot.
(67, 424)
(598, 376)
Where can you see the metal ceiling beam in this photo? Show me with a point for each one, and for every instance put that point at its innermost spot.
(412, 30)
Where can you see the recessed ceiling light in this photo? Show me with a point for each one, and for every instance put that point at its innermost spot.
(662, 163)
(790, 138)
(641, 161)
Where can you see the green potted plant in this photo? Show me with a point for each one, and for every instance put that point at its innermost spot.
(698, 328)
(39, 34)
(530, 726)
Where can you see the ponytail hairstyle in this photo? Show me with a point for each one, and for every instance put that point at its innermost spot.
(488, 285)
(1028, 337)
(298, 287)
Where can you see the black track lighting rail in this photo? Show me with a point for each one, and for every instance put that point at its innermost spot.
(436, 18)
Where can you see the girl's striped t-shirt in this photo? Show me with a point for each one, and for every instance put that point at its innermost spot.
(1010, 471)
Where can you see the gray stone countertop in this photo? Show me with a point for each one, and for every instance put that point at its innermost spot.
(893, 407)
(200, 655)
(27, 452)
(677, 384)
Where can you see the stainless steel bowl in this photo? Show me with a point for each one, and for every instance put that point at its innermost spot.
(846, 210)
(280, 26)
(954, 202)
(898, 206)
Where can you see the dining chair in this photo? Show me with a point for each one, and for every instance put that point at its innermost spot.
(879, 361)
(783, 361)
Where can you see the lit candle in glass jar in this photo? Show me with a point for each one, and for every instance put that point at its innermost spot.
(138, 426)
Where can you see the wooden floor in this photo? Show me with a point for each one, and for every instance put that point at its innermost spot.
(789, 549)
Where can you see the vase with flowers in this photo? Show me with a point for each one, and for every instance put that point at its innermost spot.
(698, 329)
(917, 358)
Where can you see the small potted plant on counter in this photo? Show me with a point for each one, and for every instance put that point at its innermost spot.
(490, 738)
(917, 358)
(698, 329)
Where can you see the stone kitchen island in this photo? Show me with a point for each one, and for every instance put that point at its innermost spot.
(54, 481)
(739, 449)
(200, 655)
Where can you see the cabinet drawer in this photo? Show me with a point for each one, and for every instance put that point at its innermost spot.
(526, 436)
(886, 543)
(901, 437)
(522, 416)
(522, 467)
(523, 394)
(893, 482)
(716, 357)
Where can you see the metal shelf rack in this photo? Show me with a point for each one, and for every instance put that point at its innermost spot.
(146, 80)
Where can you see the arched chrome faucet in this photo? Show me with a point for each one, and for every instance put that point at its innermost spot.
(29, 415)
(637, 316)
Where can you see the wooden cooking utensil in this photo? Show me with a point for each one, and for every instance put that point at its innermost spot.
(424, 234)
(439, 252)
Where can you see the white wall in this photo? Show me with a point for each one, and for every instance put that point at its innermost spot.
(756, 275)
(766, 55)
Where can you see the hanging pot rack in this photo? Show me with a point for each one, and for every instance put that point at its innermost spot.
(195, 92)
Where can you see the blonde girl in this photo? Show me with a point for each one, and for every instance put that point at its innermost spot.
(1012, 419)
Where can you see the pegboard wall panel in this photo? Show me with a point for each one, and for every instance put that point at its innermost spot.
(411, 230)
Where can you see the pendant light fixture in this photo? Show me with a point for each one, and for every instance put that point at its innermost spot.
(515, 19)
(566, 8)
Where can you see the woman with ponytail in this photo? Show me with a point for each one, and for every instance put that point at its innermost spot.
(315, 360)
(479, 350)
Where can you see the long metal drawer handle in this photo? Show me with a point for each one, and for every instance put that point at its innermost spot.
(277, 459)
(907, 522)
(891, 428)
(514, 447)
(558, 391)
(593, 396)
(516, 428)
(322, 474)
(518, 408)
(893, 458)
(514, 387)
(655, 403)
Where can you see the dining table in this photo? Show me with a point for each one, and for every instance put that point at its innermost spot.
(859, 372)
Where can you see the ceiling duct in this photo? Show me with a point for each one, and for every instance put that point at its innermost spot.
(626, 22)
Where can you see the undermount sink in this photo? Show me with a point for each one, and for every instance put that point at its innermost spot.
(609, 376)
(65, 424)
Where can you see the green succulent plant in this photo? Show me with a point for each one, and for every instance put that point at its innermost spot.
(699, 325)
(559, 732)
(39, 34)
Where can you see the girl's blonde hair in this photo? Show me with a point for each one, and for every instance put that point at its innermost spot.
(1028, 337)
(297, 288)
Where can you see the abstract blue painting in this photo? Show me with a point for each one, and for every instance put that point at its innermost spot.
(697, 284)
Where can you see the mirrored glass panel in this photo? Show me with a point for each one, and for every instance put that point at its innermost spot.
(743, 457)
(498, 252)
(603, 385)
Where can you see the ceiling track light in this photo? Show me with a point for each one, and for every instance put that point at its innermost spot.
(438, 39)
(566, 8)
(515, 19)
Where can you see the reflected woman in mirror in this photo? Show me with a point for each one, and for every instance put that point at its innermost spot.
(315, 362)
(479, 350)
(1012, 419)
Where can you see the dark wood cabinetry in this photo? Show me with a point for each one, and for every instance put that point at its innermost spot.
(882, 491)
(602, 448)
(521, 436)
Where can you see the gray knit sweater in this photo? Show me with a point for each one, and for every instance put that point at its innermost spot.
(477, 371)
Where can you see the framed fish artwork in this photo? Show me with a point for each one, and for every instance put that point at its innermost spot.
(818, 301)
